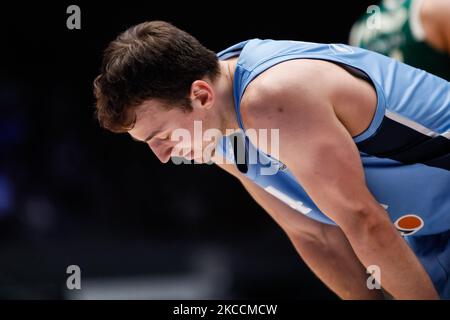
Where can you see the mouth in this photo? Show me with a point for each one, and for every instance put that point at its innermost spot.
(190, 155)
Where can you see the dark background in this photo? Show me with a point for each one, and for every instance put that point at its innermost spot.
(72, 193)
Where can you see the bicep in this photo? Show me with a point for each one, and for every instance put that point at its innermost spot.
(325, 160)
(317, 148)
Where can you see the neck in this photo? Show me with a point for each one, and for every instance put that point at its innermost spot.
(224, 96)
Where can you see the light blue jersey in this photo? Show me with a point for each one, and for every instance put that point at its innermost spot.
(405, 151)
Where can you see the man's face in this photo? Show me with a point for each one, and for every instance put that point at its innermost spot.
(160, 128)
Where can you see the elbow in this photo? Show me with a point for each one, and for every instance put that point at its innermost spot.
(367, 222)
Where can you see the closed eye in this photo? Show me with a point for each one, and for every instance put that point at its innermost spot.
(161, 138)
(165, 137)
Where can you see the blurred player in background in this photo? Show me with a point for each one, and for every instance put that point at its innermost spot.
(416, 32)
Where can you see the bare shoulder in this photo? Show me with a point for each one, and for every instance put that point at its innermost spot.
(437, 9)
(299, 74)
(271, 92)
(435, 16)
(305, 89)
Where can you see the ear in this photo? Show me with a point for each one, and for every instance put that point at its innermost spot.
(202, 94)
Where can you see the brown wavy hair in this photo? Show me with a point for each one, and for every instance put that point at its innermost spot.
(150, 60)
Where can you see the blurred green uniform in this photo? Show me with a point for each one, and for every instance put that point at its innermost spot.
(394, 29)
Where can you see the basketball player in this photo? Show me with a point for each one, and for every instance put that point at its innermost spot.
(364, 151)
(416, 32)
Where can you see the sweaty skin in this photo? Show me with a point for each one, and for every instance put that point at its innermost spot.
(318, 107)
(318, 149)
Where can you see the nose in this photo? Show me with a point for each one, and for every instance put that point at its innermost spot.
(161, 151)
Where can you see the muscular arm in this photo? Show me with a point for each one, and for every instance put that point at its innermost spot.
(324, 248)
(321, 154)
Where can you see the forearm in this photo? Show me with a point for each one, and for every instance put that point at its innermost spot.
(324, 248)
(334, 262)
(378, 243)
